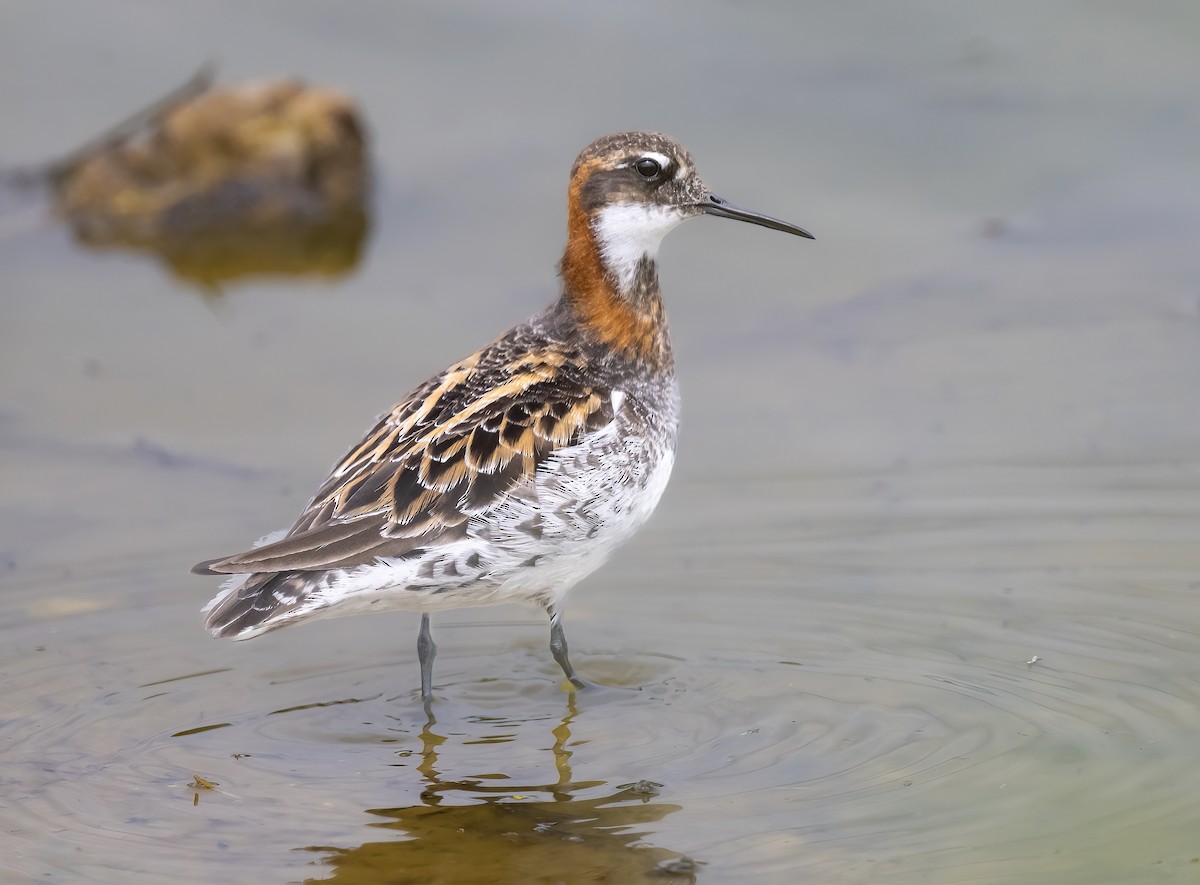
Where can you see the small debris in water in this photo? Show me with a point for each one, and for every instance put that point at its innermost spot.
(680, 866)
(1032, 661)
(642, 787)
(199, 783)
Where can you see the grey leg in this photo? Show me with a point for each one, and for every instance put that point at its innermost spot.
(558, 647)
(426, 652)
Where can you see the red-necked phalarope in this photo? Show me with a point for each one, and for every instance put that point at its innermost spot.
(517, 471)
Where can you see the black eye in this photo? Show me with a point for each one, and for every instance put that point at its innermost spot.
(647, 168)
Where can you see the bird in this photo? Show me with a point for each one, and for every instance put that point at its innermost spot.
(514, 473)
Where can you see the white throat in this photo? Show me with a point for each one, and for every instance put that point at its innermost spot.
(629, 232)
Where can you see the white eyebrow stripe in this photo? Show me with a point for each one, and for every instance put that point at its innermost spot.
(662, 159)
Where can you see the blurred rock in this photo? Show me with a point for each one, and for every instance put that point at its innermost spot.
(252, 178)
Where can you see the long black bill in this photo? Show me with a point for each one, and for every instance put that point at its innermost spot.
(714, 205)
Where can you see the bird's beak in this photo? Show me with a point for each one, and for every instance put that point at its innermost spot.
(714, 205)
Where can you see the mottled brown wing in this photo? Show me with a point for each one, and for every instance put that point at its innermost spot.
(447, 452)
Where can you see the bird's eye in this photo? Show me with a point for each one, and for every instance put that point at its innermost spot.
(648, 168)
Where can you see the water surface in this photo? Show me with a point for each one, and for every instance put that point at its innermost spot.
(921, 602)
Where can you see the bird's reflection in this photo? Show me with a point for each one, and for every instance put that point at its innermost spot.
(486, 829)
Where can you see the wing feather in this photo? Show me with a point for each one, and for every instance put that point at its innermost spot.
(451, 450)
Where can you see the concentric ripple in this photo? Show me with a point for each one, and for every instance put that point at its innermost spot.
(838, 718)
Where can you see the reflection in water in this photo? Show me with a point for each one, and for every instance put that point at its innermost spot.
(484, 829)
(327, 249)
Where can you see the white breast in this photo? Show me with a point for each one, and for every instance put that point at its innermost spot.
(590, 498)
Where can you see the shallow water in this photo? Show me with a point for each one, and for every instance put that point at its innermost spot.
(920, 604)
